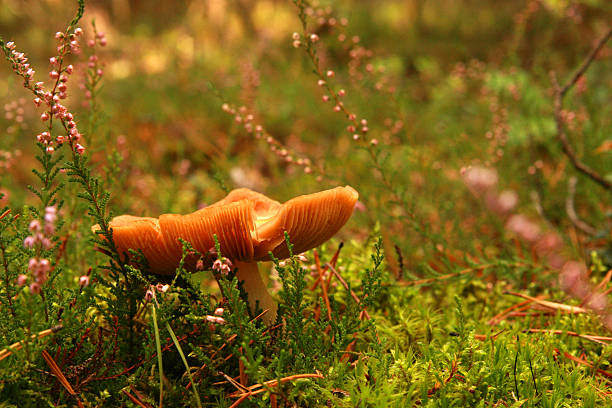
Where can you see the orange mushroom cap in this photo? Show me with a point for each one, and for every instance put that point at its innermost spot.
(247, 224)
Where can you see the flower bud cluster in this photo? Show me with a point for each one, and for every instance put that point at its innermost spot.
(19, 63)
(38, 267)
(247, 120)
(222, 266)
(95, 68)
(41, 234)
(51, 98)
(150, 293)
(216, 319)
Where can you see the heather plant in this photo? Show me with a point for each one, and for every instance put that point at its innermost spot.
(475, 270)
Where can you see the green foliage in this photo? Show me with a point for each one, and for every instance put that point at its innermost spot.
(417, 307)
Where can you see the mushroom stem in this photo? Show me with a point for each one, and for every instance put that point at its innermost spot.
(248, 273)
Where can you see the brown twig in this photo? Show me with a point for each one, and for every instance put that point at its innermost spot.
(559, 93)
(323, 285)
(585, 64)
(501, 316)
(346, 286)
(60, 376)
(571, 210)
(135, 400)
(578, 360)
(551, 305)
(4, 353)
(259, 388)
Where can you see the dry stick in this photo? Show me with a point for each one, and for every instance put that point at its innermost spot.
(578, 360)
(597, 339)
(333, 262)
(135, 400)
(444, 277)
(263, 387)
(323, 285)
(551, 305)
(346, 286)
(571, 210)
(559, 93)
(19, 345)
(501, 316)
(60, 376)
(604, 281)
(585, 64)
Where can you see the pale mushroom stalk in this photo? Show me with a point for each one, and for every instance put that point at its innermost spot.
(253, 284)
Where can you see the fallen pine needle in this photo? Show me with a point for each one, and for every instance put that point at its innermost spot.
(551, 305)
(60, 376)
(259, 388)
(57, 372)
(501, 316)
(578, 360)
(135, 400)
(596, 339)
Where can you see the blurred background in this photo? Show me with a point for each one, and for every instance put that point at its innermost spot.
(442, 84)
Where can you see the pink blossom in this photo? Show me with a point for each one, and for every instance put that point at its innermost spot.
(223, 266)
(598, 302)
(84, 281)
(523, 227)
(35, 288)
(480, 179)
(34, 225)
(215, 319)
(572, 279)
(29, 242)
(21, 280)
(149, 295)
(219, 311)
(162, 288)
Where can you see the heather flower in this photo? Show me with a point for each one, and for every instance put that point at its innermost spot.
(223, 266)
(84, 281)
(572, 279)
(523, 227)
(162, 288)
(215, 319)
(21, 280)
(479, 179)
(35, 288)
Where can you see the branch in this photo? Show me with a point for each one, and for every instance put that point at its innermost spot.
(571, 211)
(567, 147)
(586, 63)
(559, 93)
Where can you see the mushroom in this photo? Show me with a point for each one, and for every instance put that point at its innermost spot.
(248, 225)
